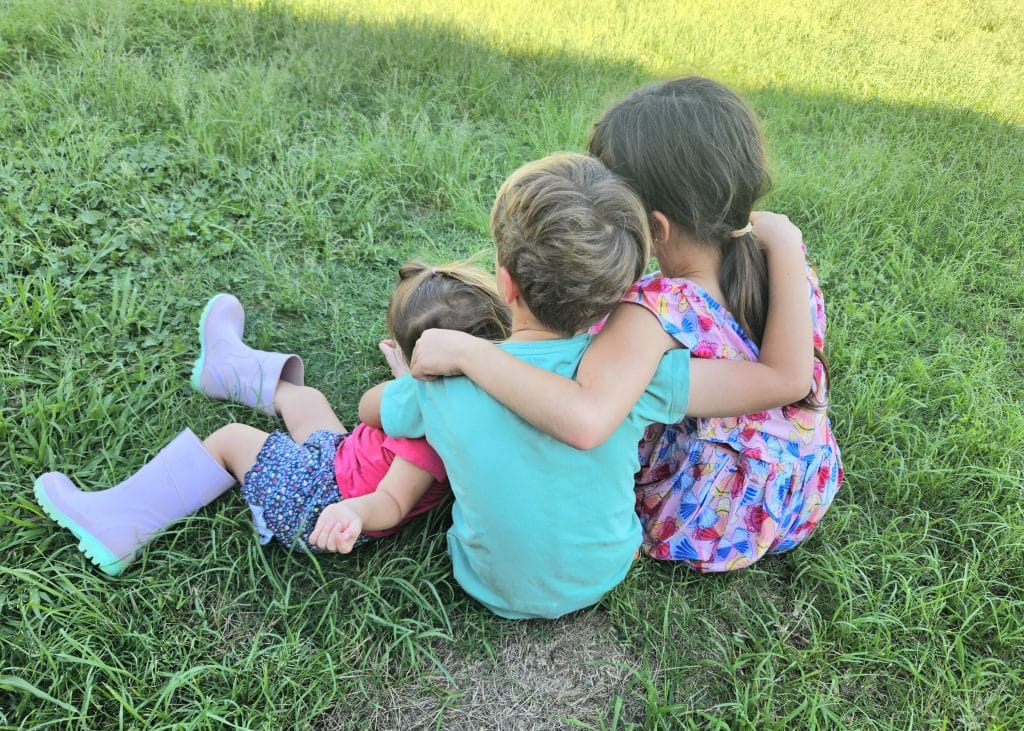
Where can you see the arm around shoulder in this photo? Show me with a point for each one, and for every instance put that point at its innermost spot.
(785, 368)
(613, 374)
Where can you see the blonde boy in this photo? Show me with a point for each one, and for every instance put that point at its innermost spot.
(540, 529)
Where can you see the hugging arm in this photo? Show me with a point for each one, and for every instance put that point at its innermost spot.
(785, 367)
(583, 413)
(623, 358)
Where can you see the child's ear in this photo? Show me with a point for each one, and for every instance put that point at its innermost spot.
(661, 227)
(507, 286)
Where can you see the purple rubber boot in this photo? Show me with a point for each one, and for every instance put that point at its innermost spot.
(230, 370)
(112, 525)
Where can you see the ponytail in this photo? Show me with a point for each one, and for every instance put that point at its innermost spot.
(743, 277)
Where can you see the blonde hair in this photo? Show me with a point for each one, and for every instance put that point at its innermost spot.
(456, 296)
(573, 236)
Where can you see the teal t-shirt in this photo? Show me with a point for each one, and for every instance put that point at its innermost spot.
(539, 529)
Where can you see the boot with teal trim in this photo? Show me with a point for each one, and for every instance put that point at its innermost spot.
(112, 525)
(229, 370)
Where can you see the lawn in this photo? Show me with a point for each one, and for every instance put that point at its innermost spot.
(154, 152)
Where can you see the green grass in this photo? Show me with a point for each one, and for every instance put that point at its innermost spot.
(153, 153)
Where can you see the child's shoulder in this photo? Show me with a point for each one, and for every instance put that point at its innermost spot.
(657, 292)
(684, 309)
(656, 282)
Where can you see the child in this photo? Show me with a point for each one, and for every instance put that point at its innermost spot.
(539, 528)
(715, 493)
(316, 487)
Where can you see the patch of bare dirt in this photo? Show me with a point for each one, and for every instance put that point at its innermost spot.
(536, 678)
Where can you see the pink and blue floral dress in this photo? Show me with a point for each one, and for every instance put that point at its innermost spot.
(718, 493)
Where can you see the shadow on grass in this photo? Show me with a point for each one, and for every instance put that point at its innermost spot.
(157, 153)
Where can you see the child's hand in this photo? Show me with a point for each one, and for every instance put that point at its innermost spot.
(775, 230)
(439, 353)
(393, 355)
(336, 529)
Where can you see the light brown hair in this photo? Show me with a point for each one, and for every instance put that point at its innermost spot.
(456, 296)
(693, 150)
(573, 236)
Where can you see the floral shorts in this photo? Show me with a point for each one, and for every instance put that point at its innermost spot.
(290, 485)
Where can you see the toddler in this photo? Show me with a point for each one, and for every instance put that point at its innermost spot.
(316, 487)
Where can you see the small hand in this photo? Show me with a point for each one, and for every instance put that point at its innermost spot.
(437, 353)
(394, 356)
(336, 529)
(775, 230)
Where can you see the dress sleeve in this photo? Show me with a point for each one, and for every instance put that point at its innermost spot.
(667, 300)
(400, 413)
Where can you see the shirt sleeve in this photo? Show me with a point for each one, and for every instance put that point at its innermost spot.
(400, 413)
(668, 395)
(419, 453)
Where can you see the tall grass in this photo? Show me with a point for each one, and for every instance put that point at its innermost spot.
(153, 153)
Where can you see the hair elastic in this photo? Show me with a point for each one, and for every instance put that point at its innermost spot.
(741, 231)
(433, 270)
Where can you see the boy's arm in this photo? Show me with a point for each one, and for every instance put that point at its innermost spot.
(623, 358)
(613, 374)
(785, 367)
(340, 524)
(369, 405)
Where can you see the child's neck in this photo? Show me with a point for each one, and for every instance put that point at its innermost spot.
(526, 327)
(685, 258)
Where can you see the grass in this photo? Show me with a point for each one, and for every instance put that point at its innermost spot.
(156, 152)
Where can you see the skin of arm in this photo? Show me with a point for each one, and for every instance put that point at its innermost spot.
(369, 406)
(786, 361)
(624, 356)
(340, 524)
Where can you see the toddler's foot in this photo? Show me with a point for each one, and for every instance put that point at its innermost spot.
(112, 525)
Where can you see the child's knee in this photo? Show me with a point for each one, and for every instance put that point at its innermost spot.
(221, 443)
(228, 432)
(313, 395)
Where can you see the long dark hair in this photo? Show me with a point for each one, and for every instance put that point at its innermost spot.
(693, 150)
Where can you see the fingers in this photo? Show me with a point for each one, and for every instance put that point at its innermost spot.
(333, 536)
(418, 368)
(394, 357)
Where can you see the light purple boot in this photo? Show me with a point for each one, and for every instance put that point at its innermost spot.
(112, 525)
(230, 370)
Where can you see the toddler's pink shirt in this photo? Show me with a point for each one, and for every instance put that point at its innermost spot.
(364, 457)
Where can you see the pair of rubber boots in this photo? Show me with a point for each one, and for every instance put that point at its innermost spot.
(113, 524)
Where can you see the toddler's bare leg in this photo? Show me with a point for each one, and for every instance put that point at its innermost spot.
(235, 446)
(304, 410)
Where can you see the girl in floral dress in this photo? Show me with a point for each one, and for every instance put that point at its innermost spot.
(715, 493)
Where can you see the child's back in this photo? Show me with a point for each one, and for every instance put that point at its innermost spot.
(539, 528)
